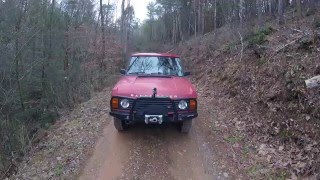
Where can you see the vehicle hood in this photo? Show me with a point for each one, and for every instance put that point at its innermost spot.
(141, 86)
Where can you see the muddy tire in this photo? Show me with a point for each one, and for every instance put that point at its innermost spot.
(119, 124)
(185, 126)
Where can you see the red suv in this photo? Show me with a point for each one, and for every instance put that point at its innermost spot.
(154, 90)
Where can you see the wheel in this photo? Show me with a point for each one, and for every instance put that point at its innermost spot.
(185, 126)
(119, 124)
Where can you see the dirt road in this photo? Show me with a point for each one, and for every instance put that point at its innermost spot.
(85, 145)
(151, 152)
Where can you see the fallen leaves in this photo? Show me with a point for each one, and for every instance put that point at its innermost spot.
(60, 154)
(269, 103)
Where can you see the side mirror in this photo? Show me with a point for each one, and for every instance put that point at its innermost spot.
(186, 73)
(123, 72)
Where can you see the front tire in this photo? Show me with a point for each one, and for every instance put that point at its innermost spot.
(185, 126)
(119, 124)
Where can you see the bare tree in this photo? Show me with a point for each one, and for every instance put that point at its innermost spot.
(260, 13)
(280, 12)
(102, 31)
(18, 49)
(298, 7)
(122, 23)
(215, 14)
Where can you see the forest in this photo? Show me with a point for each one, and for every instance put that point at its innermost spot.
(55, 54)
(51, 58)
(176, 21)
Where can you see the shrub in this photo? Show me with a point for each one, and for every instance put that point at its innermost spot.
(230, 47)
(14, 137)
(306, 44)
(16, 132)
(261, 61)
(316, 22)
(311, 11)
(259, 37)
(267, 30)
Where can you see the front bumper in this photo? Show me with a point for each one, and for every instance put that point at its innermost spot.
(141, 108)
(175, 117)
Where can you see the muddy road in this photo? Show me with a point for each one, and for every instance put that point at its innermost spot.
(151, 152)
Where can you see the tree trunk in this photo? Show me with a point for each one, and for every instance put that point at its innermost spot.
(199, 17)
(280, 12)
(66, 66)
(241, 12)
(47, 43)
(17, 65)
(173, 40)
(270, 7)
(18, 52)
(50, 30)
(260, 14)
(122, 24)
(215, 15)
(190, 26)
(195, 19)
(274, 8)
(180, 27)
(67, 49)
(102, 32)
(103, 43)
(311, 6)
(203, 5)
(107, 18)
(298, 7)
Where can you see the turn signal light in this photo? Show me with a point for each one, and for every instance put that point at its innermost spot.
(193, 104)
(115, 103)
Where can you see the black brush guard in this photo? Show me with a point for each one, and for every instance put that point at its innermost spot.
(153, 106)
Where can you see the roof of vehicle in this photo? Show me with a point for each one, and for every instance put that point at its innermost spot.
(156, 54)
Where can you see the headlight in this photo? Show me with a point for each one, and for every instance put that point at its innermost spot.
(183, 105)
(124, 103)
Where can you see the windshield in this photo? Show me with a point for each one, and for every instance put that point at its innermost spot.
(155, 66)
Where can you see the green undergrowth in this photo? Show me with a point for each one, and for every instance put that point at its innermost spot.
(316, 22)
(259, 37)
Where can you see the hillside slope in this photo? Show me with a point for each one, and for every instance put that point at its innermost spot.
(255, 85)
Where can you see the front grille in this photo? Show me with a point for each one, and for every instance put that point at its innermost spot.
(144, 103)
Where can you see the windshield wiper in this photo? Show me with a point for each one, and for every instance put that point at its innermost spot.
(158, 73)
(137, 73)
(161, 74)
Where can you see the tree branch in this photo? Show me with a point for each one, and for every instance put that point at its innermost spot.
(242, 47)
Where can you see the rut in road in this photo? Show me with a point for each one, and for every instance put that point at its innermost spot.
(151, 152)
